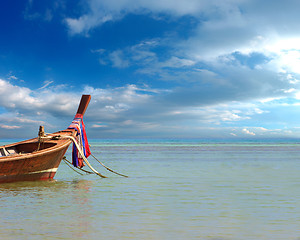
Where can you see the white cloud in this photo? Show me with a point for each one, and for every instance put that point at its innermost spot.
(224, 27)
(246, 131)
(26, 101)
(46, 84)
(208, 55)
(101, 11)
(175, 62)
(98, 126)
(12, 77)
(12, 95)
(117, 59)
(86, 22)
(119, 109)
(76, 25)
(130, 110)
(9, 126)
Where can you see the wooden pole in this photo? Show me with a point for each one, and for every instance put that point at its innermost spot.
(84, 102)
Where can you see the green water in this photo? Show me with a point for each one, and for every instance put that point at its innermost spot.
(176, 190)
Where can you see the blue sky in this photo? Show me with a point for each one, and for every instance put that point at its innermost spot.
(155, 69)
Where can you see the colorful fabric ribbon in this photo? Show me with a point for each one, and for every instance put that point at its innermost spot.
(82, 141)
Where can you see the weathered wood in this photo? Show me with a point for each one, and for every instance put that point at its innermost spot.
(84, 102)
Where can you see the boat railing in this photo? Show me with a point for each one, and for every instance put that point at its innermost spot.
(24, 148)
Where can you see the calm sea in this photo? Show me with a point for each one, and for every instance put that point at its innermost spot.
(177, 189)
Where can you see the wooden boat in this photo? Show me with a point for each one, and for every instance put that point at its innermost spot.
(37, 158)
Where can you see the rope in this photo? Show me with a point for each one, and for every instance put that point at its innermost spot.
(71, 166)
(68, 164)
(108, 167)
(83, 157)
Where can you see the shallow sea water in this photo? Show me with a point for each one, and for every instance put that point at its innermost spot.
(176, 190)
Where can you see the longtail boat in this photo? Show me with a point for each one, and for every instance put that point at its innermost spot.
(39, 158)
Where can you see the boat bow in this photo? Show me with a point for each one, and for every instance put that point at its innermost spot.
(38, 158)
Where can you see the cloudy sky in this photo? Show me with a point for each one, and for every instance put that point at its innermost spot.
(155, 69)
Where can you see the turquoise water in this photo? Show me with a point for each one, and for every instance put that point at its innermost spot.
(176, 190)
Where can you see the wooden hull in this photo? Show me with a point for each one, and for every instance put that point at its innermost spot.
(30, 164)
